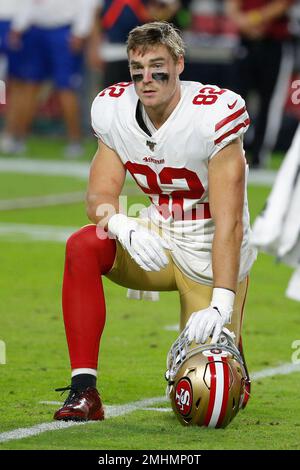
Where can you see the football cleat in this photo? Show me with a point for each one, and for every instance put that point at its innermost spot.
(206, 383)
(82, 405)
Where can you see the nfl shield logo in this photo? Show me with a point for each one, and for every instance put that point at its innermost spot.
(151, 145)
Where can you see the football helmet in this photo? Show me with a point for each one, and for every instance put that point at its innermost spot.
(206, 383)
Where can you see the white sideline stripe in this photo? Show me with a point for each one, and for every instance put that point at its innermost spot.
(261, 177)
(171, 327)
(81, 169)
(160, 410)
(22, 433)
(108, 408)
(110, 412)
(44, 167)
(32, 232)
(41, 201)
(119, 410)
(284, 369)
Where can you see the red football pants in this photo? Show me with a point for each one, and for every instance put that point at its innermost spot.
(87, 258)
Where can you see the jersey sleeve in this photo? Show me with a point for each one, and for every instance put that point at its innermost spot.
(102, 113)
(227, 120)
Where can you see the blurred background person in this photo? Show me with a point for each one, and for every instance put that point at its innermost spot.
(7, 11)
(112, 24)
(107, 46)
(11, 56)
(263, 64)
(210, 40)
(50, 36)
(173, 11)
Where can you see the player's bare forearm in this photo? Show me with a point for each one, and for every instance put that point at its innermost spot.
(232, 8)
(250, 24)
(226, 198)
(275, 10)
(226, 254)
(100, 207)
(256, 16)
(107, 176)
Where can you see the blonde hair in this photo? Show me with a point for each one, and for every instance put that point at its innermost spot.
(154, 34)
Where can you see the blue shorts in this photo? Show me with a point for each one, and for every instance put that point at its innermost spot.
(47, 56)
(13, 57)
(4, 30)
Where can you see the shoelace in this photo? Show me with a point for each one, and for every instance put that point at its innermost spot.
(73, 393)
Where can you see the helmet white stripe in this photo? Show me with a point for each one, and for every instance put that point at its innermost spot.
(226, 391)
(219, 367)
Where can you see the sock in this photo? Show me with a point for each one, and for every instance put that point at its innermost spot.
(87, 258)
(82, 381)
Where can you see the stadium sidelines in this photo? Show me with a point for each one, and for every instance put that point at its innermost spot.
(34, 232)
(44, 167)
(41, 201)
(121, 410)
(81, 169)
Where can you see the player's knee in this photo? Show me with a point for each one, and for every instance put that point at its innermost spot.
(86, 243)
(81, 241)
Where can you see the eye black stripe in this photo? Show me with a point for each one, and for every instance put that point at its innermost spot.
(157, 76)
(160, 76)
(137, 77)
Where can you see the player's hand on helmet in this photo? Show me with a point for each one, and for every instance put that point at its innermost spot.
(144, 246)
(210, 321)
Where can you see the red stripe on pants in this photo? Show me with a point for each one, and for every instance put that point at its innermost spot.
(87, 258)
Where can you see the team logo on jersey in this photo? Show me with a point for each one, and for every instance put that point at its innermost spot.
(154, 160)
(151, 145)
(184, 397)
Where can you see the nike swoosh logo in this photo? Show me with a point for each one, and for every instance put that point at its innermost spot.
(231, 106)
(130, 235)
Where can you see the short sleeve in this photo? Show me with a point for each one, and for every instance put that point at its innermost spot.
(228, 119)
(102, 113)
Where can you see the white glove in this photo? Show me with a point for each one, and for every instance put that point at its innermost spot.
(144, 246)
(210, 321)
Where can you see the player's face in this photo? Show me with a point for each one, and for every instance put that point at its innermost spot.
(155, 75)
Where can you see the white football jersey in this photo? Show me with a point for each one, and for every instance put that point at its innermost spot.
(171, 165)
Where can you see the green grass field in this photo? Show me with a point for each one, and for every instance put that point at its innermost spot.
(134, 344)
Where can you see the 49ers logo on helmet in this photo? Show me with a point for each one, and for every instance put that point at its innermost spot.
(184, 396)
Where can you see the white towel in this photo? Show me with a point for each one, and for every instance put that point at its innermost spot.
(268, 232)
(293, 289)
(142, 294)
(277, 229)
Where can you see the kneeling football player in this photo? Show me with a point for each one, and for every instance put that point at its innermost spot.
(182, 144)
